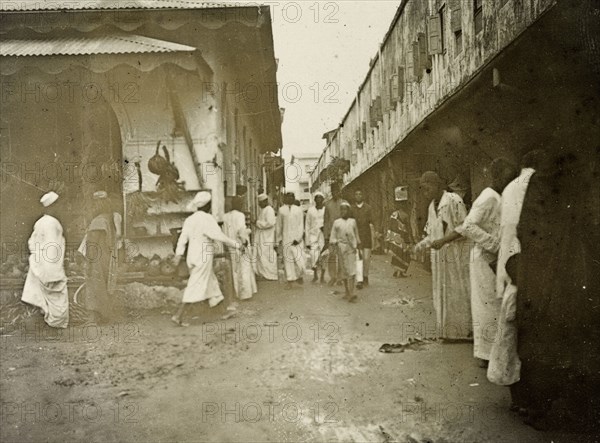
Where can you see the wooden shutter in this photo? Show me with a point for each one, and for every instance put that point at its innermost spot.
(455, 16)
(394, 88)
(385, 92)
(372, 117)
(424, 60)
(434, 34)
(401, 83)
(415, 61)
(376, 112)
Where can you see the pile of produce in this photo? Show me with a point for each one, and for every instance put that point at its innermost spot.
(153, 269)
(14, 267)
(140, 296)
(157, 267)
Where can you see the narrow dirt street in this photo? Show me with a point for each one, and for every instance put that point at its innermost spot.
(299, 365)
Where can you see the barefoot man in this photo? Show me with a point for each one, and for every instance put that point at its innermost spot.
(199, 233)
(345, 240)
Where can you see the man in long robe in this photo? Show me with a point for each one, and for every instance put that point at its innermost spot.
(558, 306)
(449, 260)
(100, 249)
(505, 365)
(363, 214)
(332, 213)
(290, 233)
(199, 233)
(482, 227)
(266, 260)
(345, 240)
(234, 227)
(46, 283)
(315, 240)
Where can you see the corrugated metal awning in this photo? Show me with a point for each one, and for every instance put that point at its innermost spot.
(112, 44)
(60, 5)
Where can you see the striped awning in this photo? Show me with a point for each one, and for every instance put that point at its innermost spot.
(112, 44)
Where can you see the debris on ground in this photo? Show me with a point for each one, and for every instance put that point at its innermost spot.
(414, 344)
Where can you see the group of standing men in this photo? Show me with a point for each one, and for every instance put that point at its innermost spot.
(515, 275)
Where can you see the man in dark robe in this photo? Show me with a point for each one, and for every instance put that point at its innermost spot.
(558, 305)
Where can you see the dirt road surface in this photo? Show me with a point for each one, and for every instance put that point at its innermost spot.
(287, 366)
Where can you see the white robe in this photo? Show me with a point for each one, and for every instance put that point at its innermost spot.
(200, 232)
(266, 257)
(482, 226)
(290, 228)
(450, 269)
(244, 282)
(345, 238)
(46, 283)
(505, 365)
(315, 240)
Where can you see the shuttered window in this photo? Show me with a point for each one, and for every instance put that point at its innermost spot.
(435, 36)
(417, 71)
(397, 86)
(424, 58)
(455, 16)
(375, 112)
(401, 83)
(478, 15)
(410, 64)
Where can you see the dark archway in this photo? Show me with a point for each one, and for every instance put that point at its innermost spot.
(58, 133)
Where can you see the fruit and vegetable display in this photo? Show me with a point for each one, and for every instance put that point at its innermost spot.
(14, 267)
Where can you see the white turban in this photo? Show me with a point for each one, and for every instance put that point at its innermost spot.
(318, 194)
(201, 199)
(49, 198)
(345, 203)
(263, 197)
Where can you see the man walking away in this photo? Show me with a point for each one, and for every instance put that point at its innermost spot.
(46, 283)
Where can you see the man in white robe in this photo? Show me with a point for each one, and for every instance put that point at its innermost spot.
(315, 240)
(234, 226)
(199, 234)
(332, 213)
(290, 233)
(345, 240)
(449, 259)
(266, 256)
(46, 283)
(505, 365)
(482, 227)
